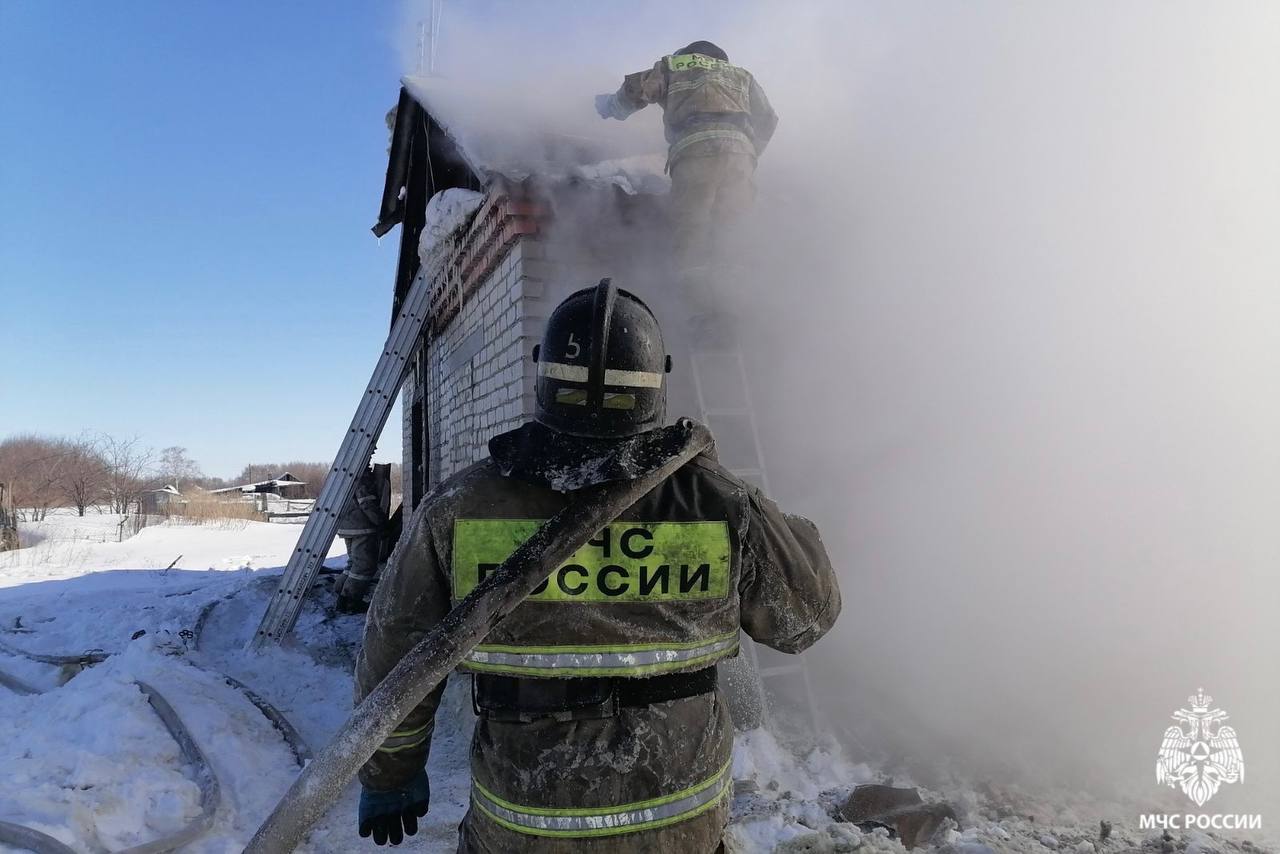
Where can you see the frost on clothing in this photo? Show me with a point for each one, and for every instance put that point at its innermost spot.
(710, 107)
(717, 122)
(779, 587)
(367, 511)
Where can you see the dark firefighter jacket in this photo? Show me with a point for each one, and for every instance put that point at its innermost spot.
(366, 512)
(663, 589)
(709, 106)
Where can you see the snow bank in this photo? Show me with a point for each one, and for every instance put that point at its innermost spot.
(93, 766)
(89, 762)
(73, 547)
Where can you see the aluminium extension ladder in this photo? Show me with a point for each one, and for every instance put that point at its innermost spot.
(723, 395)
(350, 462)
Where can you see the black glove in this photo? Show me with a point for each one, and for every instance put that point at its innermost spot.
(391, 816)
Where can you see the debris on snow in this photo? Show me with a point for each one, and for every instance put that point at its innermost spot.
(900, 809)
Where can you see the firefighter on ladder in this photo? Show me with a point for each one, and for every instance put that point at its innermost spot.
(717, 122)
(600, 725)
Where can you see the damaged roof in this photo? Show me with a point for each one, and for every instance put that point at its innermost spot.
(500, 133)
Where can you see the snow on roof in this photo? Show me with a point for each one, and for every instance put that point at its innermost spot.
(500, 132)
(447, 212)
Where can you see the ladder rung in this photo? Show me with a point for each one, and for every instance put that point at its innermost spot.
(353, 454)
(735, 387)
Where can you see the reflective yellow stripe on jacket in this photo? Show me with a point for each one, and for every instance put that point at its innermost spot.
(625, 563)
(617, 660)
(704, 135)
(407, 739)
(604, 821)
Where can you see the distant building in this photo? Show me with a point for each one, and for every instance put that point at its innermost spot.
(286, 486)
(160, 502)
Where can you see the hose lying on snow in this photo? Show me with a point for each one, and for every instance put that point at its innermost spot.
(32, 840)
(90, 657)
(202, 618)
(428, 663)
(13, 683)
(297, 745)
(210, 791)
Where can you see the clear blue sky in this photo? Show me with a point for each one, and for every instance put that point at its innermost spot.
(186, 191)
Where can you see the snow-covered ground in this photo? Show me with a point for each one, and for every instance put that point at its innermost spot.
(89, 762)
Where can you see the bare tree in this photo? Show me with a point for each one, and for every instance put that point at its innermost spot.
(175, 466)
(128, 464)
(8, 521)
(84, 476)
(32, 465)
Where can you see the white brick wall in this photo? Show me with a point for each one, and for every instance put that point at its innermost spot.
(469, 400)
(477, 377)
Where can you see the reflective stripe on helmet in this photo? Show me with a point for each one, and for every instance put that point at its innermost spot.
(633, 379)
(612, 376)
(604, 821)
(618, 660)
(561, 371)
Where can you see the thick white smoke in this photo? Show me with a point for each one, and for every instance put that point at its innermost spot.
(1012, 290)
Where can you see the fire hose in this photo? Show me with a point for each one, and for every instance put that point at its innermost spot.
(18, 686)
(444, 647)
(32, 840)
(210, 794)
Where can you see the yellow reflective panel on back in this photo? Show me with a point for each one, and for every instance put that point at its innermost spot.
(690, 61)
(625, 562)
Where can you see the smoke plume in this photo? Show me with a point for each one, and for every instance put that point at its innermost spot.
(1011, 292)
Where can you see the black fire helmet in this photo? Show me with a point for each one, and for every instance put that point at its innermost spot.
(705, 48)
(602, 366)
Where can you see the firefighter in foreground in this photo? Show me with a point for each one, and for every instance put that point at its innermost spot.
(362, 526)
(600, 725)
(718, 122)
